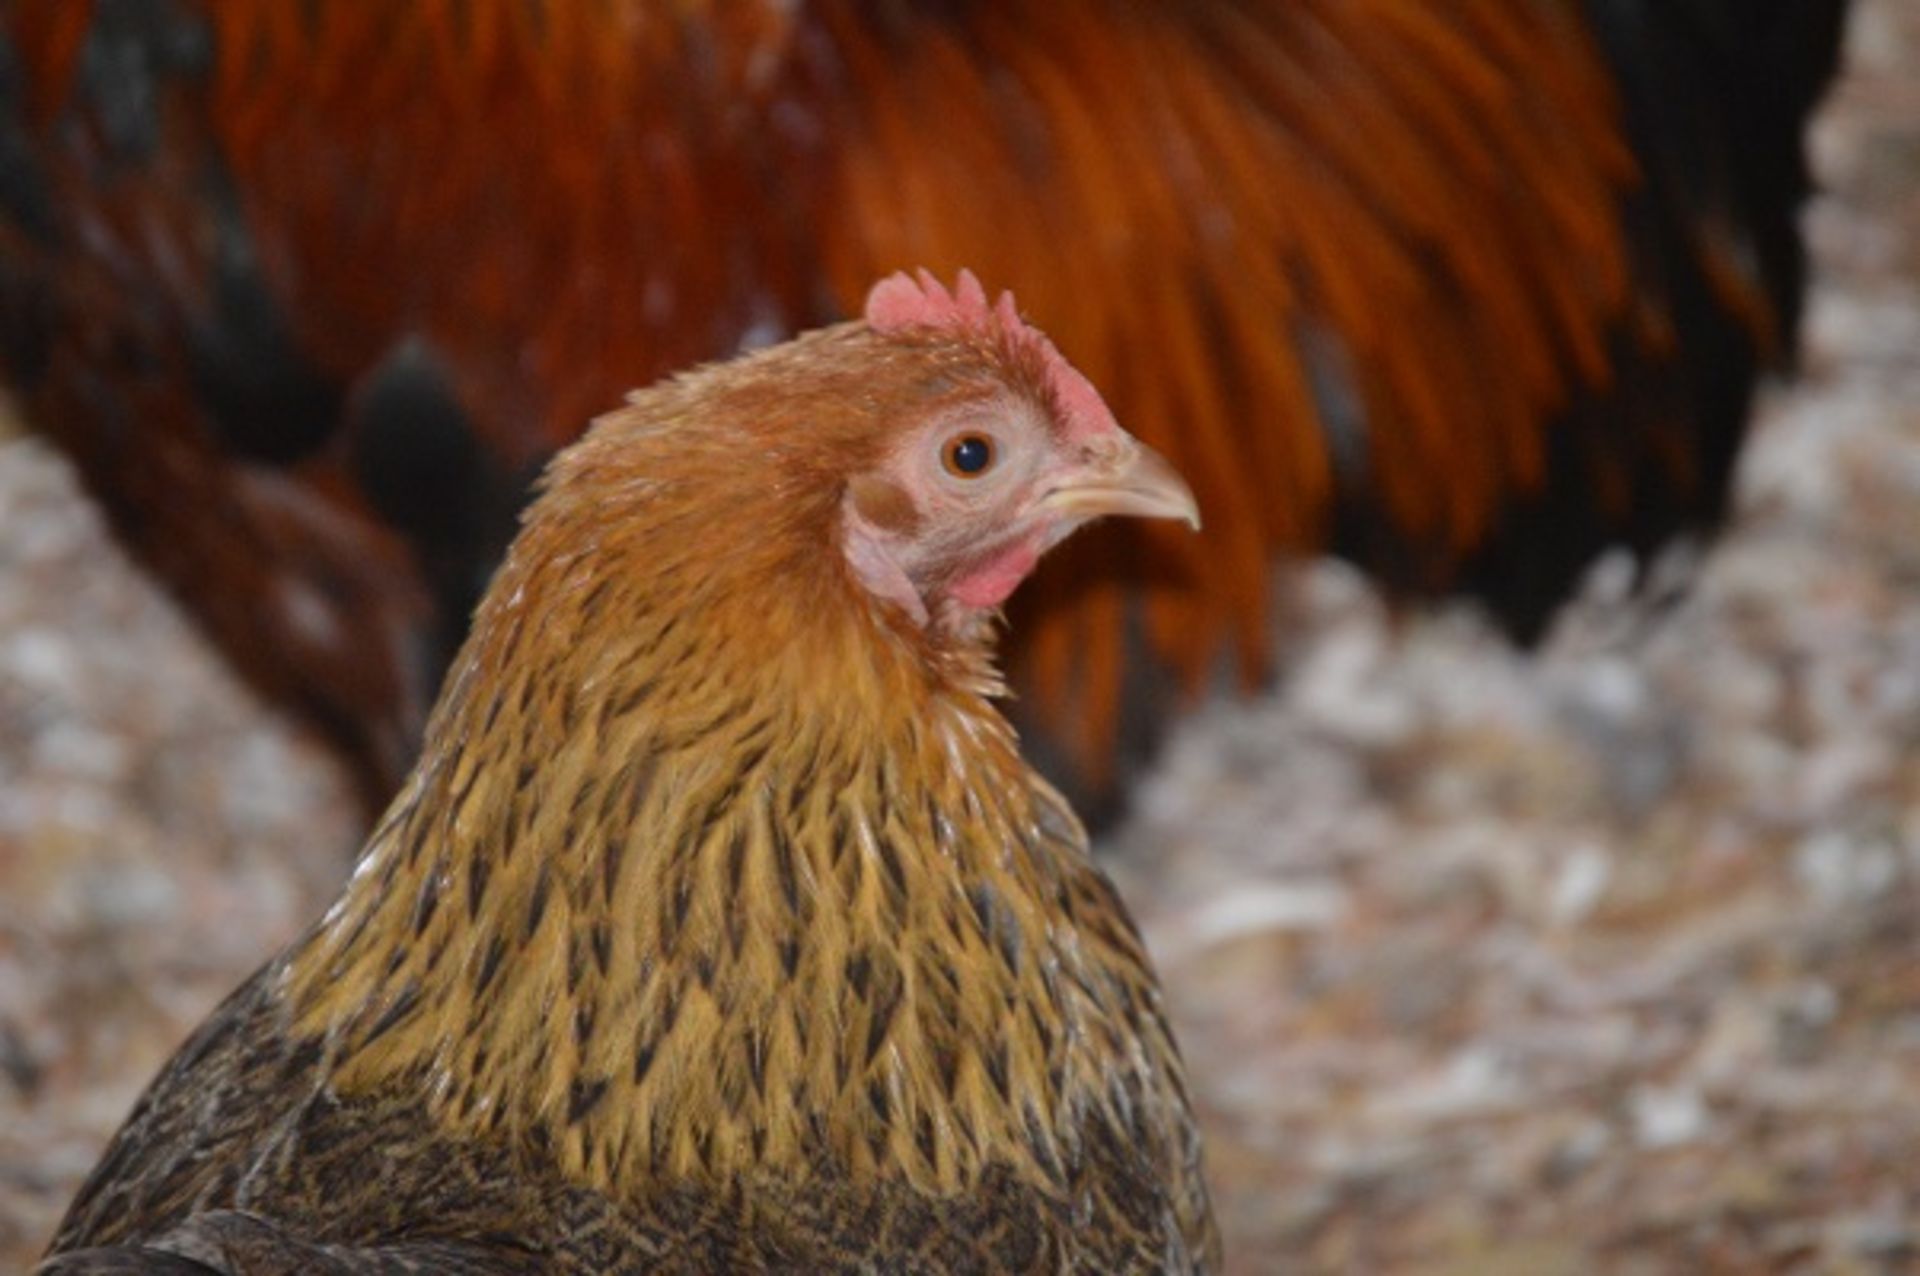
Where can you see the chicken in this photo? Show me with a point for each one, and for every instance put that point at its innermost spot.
(721, 926)
(1464, 292)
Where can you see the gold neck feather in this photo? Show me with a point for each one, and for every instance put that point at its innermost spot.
(714, 892)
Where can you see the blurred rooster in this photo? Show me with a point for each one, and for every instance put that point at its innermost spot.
(1463, 291)
(721, 926)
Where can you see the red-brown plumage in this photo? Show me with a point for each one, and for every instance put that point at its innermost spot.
(1461, 291)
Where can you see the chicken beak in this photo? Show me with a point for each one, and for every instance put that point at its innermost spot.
(1131, 480)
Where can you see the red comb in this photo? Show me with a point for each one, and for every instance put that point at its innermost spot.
(902, 301)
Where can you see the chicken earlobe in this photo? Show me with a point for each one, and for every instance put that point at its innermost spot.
(874, 566)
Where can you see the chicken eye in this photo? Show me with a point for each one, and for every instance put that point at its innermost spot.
(968, 455)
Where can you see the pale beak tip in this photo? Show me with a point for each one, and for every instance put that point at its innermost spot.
(1165, 494)
(1179, 506)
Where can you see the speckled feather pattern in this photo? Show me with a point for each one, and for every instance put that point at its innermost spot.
(721, 928)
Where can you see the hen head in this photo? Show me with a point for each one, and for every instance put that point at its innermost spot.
(935, 451)
(1004, 450)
